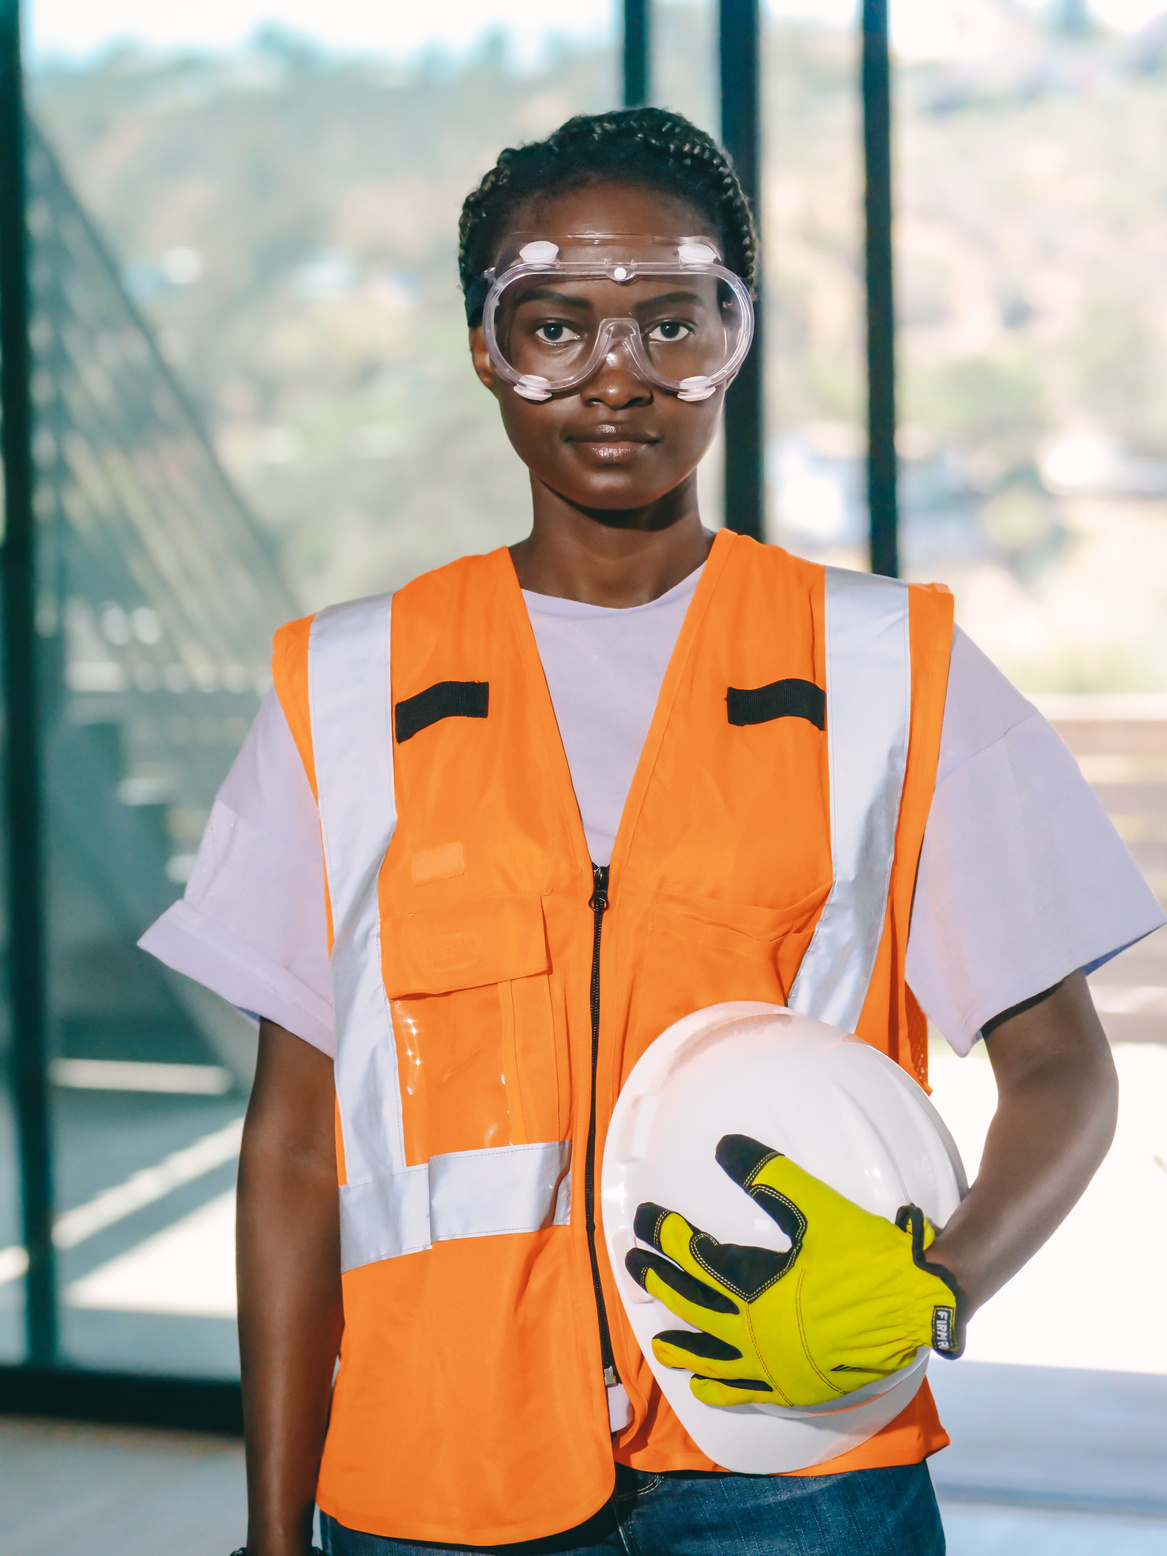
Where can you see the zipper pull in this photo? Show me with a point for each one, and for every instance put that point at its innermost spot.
(598, 901)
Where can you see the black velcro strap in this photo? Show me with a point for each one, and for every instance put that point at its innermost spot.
(476, 300)
(791, 699)
(445, 700)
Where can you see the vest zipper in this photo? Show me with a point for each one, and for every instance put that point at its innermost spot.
(598, 902)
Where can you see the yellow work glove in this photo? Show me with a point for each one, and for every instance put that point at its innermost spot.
(850, 1301)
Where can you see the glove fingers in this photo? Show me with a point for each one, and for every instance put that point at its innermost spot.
(789, 1195)
(742, 1158)
(746, 1391)
(669, 1233)
(716, 1323)
(698, 1352)
(680, 1286)
(742, 1270)
(697, 1343)
(672, 1235)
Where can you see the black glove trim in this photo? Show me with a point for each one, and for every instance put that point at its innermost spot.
(638, 1263)
(755, 1385)
(698, 1344)
(742, 1158)
(948, 1324)
(745, 1270)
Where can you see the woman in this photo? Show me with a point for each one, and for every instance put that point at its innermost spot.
(567, 793)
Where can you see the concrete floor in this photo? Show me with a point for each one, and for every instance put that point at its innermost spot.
(987, 1530)
(75, 1490)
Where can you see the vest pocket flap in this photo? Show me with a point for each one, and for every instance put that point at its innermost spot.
(734, 927)
(464, 945)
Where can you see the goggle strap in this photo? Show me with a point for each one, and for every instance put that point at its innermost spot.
(476, 295)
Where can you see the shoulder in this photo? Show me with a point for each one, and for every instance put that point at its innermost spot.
(982, 706)
(332, 637)
(443, 588)
(440, 586)
(931, 602)
(772, 562)
(357, 631)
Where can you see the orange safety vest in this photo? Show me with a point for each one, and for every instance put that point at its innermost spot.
(488, 1009)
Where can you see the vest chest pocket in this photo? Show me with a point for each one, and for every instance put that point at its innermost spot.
(700, 952)
(470, 992)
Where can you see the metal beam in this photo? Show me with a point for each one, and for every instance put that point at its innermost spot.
(22, 767)
(745, 433)
(637, 52)
(882, 498)
(131, 1399)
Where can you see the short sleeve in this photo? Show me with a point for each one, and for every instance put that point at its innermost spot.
(1023, 878)
(251, 925)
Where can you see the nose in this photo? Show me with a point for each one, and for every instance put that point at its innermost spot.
(617, 382)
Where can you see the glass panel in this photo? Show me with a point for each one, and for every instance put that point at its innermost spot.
(813, 258)
(684, 73)
(1033, 341)
(158, 598)
(684, 77)
(1033, 355)
(282, 223)
(12, 1256)
(290, 223)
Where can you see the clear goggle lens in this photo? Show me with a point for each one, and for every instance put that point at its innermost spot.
(669, 313)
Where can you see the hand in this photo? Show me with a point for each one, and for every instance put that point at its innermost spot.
(850, 1301)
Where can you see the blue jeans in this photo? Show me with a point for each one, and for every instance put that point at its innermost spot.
(884, 1512)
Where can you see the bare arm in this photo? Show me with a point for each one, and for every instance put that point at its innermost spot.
(290, 1313)
(1056, 1112)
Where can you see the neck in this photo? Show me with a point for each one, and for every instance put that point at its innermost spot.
(612, 557)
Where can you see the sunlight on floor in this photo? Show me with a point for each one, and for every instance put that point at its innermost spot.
(972, 1530)
(187, 1269)
(1082, 1300)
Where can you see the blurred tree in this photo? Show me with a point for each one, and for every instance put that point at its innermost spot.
(994, 406)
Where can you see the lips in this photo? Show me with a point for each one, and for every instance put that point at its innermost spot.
(612, 442)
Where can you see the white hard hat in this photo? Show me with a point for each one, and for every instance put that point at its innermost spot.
(839, 1109)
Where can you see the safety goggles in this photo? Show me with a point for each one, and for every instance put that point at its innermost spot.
(668, 310)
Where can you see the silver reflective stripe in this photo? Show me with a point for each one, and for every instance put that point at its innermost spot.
(869, 689)
(510, 1188)
(385, 1218)
(388, 1209)
(488, 1193)
(349, 695)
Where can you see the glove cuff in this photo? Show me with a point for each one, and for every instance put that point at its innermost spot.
(948, 1323)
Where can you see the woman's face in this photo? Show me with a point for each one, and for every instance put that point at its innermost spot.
(617, 441)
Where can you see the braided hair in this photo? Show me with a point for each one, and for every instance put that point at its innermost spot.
(649, 146)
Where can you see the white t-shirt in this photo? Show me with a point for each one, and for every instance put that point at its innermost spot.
(1022, 876)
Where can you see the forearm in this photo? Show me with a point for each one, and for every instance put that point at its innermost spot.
(290, 1312)
(1055, 1119)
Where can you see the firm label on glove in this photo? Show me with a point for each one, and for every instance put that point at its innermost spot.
(944, 1331)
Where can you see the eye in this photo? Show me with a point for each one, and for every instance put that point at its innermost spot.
(555, 333)
(669, 330)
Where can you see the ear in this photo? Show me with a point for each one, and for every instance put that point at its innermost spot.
(479, 355)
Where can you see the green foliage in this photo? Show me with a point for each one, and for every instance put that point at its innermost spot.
(1030, 187)
(1119, 358)
(348, 411)
(994, 406)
